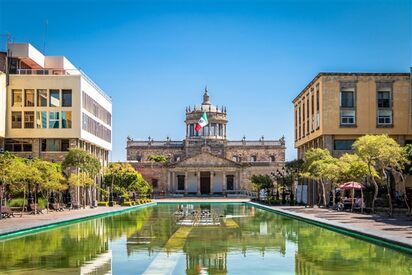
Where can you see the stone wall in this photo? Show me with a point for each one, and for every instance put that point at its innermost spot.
(262, 153)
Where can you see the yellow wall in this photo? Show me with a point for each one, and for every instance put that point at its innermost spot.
(2, 104)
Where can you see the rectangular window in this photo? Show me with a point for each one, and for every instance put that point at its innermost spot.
(384, 99)
(213, 129)
(313, 104)
(230, 182)
(67, 98)
(67, 119)
(16, 98)
(253, 158)
(221, 130)
(347, 117)
(28, 120)
(54, 119)
(180, 182)
(347, 99)
(42, 98)
(192, 130)
(343, 144)
(29, 98)
(93, 127)
(384, 117)
(155, 183)
(55, 145)
(41, 120)
(13, 145)
(16, 121)
(54, 98)
(317, 100)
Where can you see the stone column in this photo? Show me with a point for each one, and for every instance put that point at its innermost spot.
(186, 182)
(168, 181)
(173, 187)
(238, 181)
(211, 182)
(224, 183)
(198, 182)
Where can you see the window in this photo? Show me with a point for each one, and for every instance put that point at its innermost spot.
(54, 119)
(347, 99)
(176, 158)
(41, 120)
(155, 183)
(42, 98)
(272, 158)
(230, 182)
(317, 101)
(29, 98)
(67, 98)
(180, 182)
(347, 117)
(235, 158)
(28, 120)
(93, 127)
(343, 144)
(16, 120)
(253, 158)
(139, 158)
(384, 117)
(67, 119)
(13, 145)
(213, 131)
(96, 109)
(192, 130)
(54, 98)
(384, 99)
(220, 129)
(55, 145)
(16, 98)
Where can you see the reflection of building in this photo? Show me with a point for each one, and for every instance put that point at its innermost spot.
(102, 264)
(52, 106)
(335, 109)
(205, 162)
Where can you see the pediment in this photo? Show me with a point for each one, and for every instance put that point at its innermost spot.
(205, 159)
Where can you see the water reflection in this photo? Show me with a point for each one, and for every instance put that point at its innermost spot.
(240, 239)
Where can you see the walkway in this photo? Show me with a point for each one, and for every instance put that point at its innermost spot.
(397, 229)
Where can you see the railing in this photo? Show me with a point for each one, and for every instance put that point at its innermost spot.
(59, 72)
(254, 143)
(242, 192)
(155, 143)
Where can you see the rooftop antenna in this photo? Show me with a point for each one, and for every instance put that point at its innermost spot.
(45, 35)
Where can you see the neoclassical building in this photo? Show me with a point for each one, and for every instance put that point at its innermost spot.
(205, 162)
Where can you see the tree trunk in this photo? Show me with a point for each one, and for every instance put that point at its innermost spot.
(333, 197)
(375, 185)
(24, 201)
(388, 186)
(323, 192)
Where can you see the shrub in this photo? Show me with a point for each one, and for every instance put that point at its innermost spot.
(16, 202)
(103, 203)
(41, 202)
(127, 203)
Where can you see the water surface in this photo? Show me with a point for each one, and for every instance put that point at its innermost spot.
(153, 240)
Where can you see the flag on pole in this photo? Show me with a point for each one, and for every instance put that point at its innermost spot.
(202, 122)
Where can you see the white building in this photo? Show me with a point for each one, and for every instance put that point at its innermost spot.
(52, 106)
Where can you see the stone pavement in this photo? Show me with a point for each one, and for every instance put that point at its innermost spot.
(397, 229)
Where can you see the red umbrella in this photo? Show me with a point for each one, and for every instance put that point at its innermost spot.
(353, 185)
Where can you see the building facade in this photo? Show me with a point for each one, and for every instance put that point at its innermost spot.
(205, 162)
(335, 109)
(51, 106)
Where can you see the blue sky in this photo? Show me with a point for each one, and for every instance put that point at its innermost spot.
(155, 57)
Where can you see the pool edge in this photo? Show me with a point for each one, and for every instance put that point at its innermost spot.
(372, 238)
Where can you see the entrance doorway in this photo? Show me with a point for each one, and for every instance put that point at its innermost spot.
(205, 183)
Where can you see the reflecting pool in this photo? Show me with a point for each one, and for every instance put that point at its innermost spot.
(226, 239)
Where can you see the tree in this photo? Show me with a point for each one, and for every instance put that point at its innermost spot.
(295, 168)
(315, 165)
(158, 158)
(82, 161)
(384, 154)
(125, 179)
(261, 182)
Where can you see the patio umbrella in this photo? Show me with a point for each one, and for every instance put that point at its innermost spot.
(353, 185)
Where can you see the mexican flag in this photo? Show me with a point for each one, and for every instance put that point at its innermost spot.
(202, 122)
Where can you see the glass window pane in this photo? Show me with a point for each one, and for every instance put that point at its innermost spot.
(29, 98)
(42, 98)
(347, 99)
(17, 98)
(28, 120)
(54, 98)
(67, 119)
(66, 98)
(16, 121)
(54, 120)
(41, 120)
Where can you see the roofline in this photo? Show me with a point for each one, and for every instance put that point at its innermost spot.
(345, 74)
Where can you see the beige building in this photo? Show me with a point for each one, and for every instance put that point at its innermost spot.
(335, 109)
(52, 106)
(205, 162)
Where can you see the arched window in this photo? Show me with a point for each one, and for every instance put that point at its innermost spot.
(272, 158)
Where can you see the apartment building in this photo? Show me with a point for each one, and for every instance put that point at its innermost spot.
(334, 109)
(52, 106)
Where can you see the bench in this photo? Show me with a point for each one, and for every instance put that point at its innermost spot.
(6, 212)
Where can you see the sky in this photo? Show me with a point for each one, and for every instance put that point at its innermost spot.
(154, 58)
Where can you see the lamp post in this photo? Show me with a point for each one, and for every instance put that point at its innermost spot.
(111, 188)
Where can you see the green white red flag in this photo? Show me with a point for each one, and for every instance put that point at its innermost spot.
(202, 122)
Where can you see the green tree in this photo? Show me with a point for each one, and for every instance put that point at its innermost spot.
(158, 158)
(261, 182)
(384, 154)
(295, 168)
